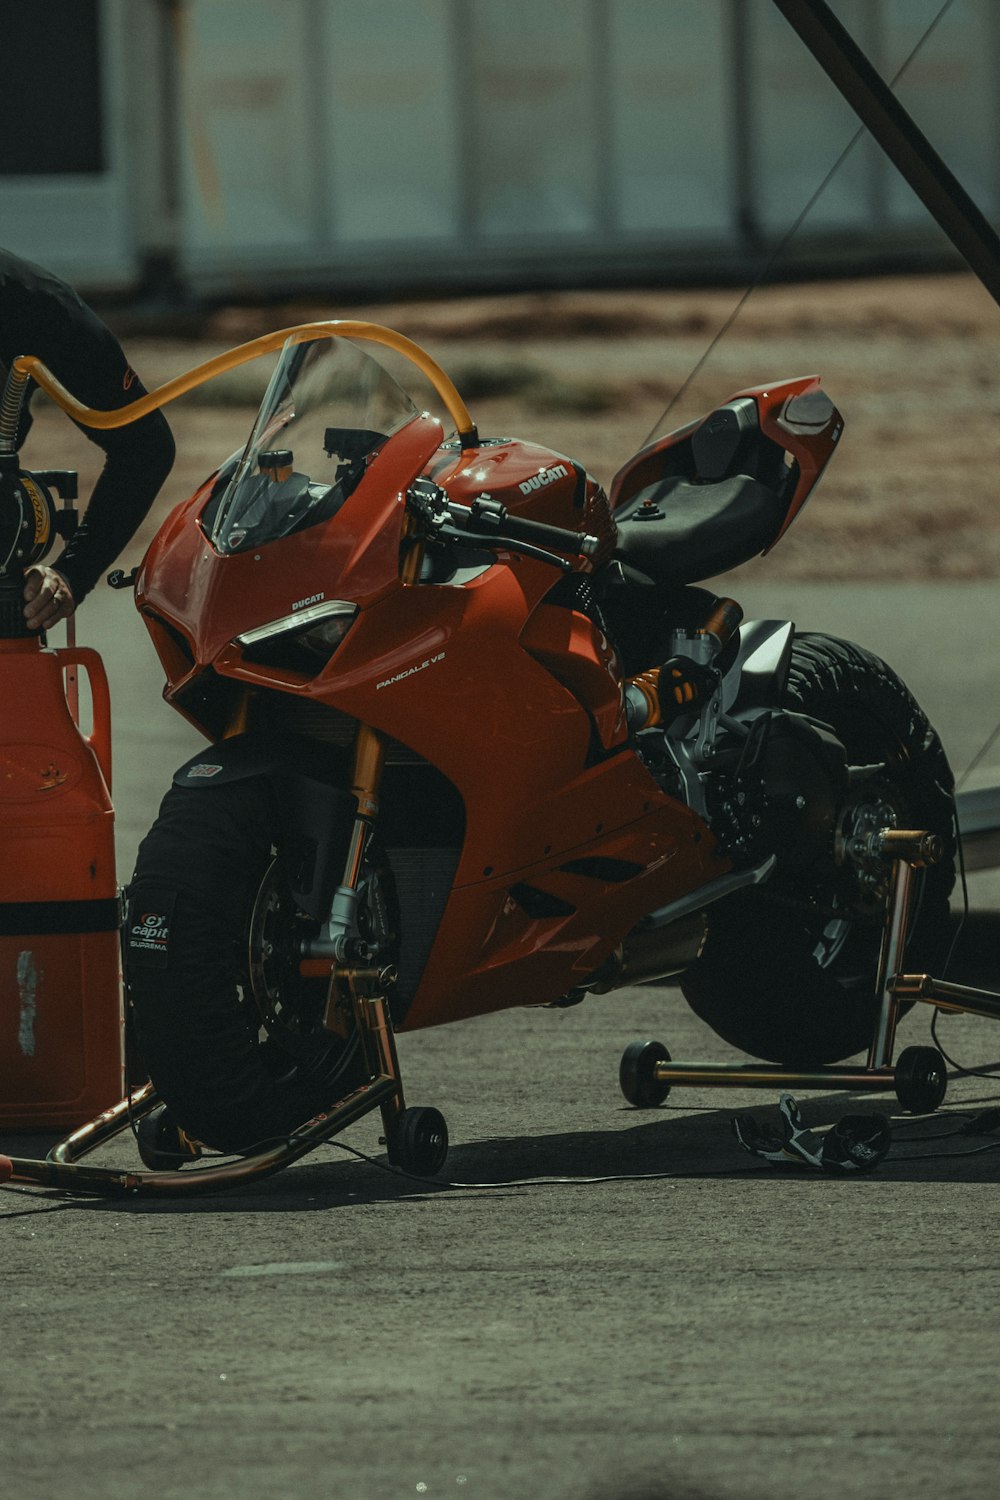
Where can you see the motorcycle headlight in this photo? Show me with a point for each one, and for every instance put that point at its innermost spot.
(302, 641)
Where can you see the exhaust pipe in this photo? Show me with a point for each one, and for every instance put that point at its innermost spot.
(670, 939)
(651, 953)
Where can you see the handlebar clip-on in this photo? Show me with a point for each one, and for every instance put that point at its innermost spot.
(487, 523)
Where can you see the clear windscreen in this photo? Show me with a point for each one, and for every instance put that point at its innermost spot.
(327, 410)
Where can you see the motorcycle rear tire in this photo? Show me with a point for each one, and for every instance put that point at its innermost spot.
(761, 982)
(227, 1080)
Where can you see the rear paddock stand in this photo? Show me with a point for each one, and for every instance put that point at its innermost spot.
(416, 1139)
(919, 1077)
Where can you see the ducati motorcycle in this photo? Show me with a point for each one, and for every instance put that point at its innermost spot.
(479, 724)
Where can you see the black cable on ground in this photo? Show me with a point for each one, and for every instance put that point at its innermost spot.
(947, 1155)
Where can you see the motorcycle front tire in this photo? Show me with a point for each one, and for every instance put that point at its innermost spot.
(230, 1081)
(765, 982)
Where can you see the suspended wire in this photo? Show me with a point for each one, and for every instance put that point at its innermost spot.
(960, 928)
(959, 1068)
(790, 233)
(984, 749)
(964, 1072)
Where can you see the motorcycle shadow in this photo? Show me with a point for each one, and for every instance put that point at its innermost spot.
(676, 1143)
(670, 1141)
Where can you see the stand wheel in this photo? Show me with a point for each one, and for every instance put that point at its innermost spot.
(637, 1074)
(921, 1079)
(418, 1141)
(161, 1145)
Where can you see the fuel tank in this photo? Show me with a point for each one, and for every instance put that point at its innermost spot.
(61, 1048)
(530, 481)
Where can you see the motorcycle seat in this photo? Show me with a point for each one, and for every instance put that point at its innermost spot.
(690, 531)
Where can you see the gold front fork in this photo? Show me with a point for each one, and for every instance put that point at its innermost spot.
(366, 777)
(413, 555)
(341, 943)
(239, 720)
(366, 774)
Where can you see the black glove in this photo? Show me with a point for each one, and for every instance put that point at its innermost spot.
(857, 1143)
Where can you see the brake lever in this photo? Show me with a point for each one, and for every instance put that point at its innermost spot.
(430, 502)
(491, 543)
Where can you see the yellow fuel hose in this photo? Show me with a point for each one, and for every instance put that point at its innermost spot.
(31, 365)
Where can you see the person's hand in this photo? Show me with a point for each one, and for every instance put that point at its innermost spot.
(48, 598)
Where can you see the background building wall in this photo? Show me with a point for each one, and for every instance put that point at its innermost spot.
(245, 146)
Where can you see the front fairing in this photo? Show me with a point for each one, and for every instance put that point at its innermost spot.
(210, 597)
(230, 576)
(311, 511)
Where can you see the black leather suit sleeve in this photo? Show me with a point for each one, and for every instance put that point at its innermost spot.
(40, 314)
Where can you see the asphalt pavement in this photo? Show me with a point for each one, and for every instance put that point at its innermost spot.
(594, 1302)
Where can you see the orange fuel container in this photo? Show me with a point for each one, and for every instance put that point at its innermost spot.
(61, 1032)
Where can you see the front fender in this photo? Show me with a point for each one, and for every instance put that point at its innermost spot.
(316, 814)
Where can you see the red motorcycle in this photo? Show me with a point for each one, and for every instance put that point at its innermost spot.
(475, 726)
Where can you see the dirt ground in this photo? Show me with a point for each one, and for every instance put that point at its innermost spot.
(911, 362)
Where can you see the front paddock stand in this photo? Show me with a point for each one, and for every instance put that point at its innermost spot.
(416, 1139)
(919, 1077)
